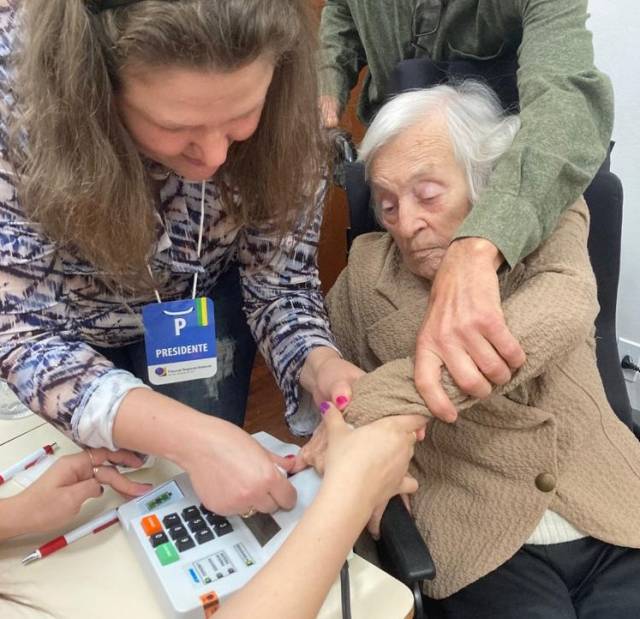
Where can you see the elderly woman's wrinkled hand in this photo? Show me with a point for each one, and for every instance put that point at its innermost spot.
(314, 451)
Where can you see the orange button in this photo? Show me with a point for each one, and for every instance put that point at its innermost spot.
(210, 604)
(151, 525)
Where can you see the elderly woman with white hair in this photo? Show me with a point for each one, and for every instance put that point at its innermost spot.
(530, 501)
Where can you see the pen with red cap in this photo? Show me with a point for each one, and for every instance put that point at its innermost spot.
(27, 462)
(93, 526)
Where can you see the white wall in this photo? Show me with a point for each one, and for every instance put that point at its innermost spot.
(616, 28)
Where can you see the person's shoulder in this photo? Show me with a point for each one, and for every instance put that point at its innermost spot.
(8, 10)
(370, 243)
(369, 251)
(8, 21)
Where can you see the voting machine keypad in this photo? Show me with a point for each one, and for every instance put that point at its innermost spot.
(195, 558)
(180, 532)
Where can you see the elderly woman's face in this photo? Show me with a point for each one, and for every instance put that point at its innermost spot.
(421, 193)
(187, 119)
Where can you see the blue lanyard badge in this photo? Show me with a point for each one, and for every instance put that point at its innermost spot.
(180, 340)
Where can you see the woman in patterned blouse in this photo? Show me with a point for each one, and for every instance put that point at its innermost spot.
(123, 123)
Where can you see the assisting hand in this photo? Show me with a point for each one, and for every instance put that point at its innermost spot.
(56, 497)
(328, 377)
(329, 111)
(372, 460)
(464, 328)
(233, 474)
(408, 485)
(230, 471)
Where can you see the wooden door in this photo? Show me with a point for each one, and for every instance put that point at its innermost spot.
(332, 254)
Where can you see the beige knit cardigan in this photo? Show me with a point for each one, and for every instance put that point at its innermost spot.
(480, 496)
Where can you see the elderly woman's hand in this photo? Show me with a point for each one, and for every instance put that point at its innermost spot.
(313, 452)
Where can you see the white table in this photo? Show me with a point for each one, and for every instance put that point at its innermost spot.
(98, 577)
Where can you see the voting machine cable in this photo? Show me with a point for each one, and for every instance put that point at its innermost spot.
(345, 591)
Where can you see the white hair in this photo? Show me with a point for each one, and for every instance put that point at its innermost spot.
(479, 129)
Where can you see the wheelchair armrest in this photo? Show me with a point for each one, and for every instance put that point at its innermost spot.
(402, 545)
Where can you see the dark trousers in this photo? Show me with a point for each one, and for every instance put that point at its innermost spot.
(224, 395)
(584, 579)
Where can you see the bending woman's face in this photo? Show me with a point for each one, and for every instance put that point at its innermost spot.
(186, 119)
(421, 193)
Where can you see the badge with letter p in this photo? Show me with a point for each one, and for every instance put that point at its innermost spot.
(180, 340)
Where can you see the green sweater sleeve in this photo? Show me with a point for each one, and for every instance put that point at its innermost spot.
(567, 116)
(342, 54)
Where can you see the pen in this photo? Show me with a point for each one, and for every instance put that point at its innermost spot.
(93, 526)
(27, 462)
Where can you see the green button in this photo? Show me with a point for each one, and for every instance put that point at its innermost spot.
(167, 553)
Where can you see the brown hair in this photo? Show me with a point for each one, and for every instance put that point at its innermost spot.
(81, 177)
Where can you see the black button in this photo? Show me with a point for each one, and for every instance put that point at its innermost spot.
(171, 520)
(197, 524)
(177, 532)
(223, 528)
(204, 510)
(189, 513)
(184, 543)
(203, 535)
(158, 539)
(214, 519)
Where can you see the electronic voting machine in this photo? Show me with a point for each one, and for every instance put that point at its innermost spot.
(195, 558)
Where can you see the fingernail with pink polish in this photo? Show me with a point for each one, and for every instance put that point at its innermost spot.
(324, 407)
(342, 401)
(289, 456)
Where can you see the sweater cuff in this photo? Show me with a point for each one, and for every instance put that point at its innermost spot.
(301, 413)
(92, 422)
(509, 222)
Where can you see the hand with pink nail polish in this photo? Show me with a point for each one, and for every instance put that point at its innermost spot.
(328, 377)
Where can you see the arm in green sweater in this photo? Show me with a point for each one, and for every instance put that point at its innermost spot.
(342, 54)
(567, 116)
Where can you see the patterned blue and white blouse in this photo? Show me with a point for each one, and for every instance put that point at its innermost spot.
(53, 308)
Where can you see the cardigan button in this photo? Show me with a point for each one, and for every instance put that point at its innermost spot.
(545, 482)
